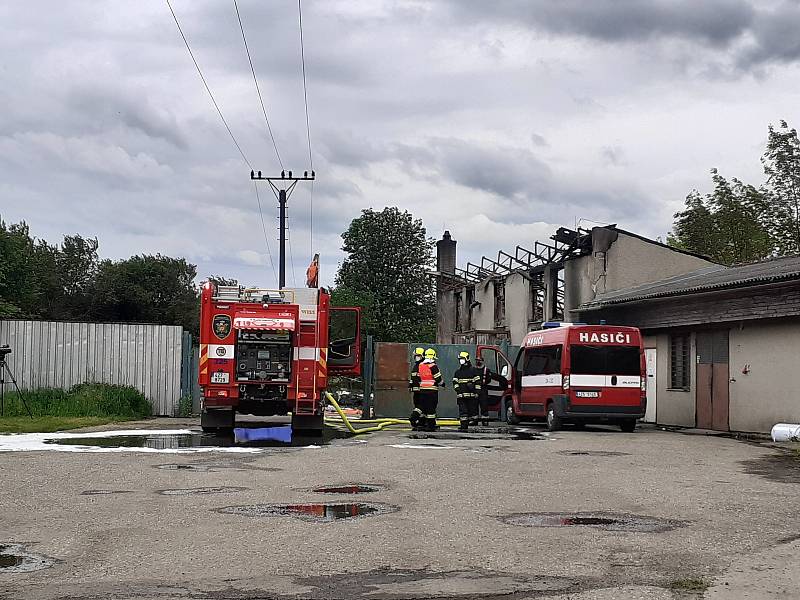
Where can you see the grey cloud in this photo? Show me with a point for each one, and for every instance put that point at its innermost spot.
(716, 22)
(775, 37)
(613, 155)
(748, 34)
(103, 108)
(538, 140)
(508, 172)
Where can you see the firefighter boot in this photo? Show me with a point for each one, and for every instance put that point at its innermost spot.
(415, 419)
(463, 424)
(430, 423)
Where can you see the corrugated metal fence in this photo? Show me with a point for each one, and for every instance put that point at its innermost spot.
(150, 358)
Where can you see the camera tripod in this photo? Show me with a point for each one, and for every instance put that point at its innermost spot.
(4, 368)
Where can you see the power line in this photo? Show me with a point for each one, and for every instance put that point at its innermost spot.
(205, 83)
(258, 89)
(264, 229)
(227, 127)
(308, 122)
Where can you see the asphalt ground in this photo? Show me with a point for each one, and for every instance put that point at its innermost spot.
(718, 517)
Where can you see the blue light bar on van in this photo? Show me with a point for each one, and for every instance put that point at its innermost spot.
(556, 324)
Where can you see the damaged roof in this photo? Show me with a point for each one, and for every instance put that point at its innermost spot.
(714, 277)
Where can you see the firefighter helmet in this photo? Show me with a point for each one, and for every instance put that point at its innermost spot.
(430, 353)
(419, 352)
(464, 355)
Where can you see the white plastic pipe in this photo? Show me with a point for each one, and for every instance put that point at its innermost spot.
(786, 432)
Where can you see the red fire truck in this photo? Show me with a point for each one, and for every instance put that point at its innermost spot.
(270, 352)
(574, 373)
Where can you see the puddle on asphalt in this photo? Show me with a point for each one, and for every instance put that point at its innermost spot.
(241, 438)
(315, 512)
(400, 584)
(783, 467)
(592, 453)
(600, 520)
(508, 435)
(14, 558)
(347, 489)
(180, 467)
(201, 491)
(104, 492)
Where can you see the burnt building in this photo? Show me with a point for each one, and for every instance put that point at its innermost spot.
(721, 342)
(504, 298)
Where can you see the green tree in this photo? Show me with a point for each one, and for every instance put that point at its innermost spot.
(781, 162)
(726, 225)
(147, 289)
(385, 272)
(17, 284)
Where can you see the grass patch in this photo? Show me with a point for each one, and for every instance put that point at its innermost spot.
(185, 407)
(50, 424)
(689, 584)
(83, 400)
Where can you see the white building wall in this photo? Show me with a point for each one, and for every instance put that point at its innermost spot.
(769, 393)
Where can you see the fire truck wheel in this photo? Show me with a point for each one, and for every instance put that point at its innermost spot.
(553, 420)
(216, 420)
(508, 412)
(628, 426)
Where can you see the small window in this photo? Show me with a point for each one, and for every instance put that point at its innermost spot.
(679, 361)
(543, 361)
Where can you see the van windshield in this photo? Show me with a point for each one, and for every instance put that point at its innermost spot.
(605, 360)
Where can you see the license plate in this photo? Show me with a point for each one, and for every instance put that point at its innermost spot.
(587, 394)
(219, 378)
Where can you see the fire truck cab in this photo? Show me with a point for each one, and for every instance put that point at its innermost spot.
(574, 373)
(270, 352)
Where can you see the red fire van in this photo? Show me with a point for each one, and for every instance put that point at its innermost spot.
(575, 374)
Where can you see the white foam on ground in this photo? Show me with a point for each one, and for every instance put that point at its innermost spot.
(36, 442)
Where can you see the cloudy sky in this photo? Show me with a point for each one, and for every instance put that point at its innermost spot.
(496, 120)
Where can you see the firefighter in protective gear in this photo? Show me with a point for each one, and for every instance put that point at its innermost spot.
(430, 382)
(467, 383)
(490, 381)
(413, 386)
(483, 394)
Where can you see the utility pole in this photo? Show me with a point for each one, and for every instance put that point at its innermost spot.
(282, 192)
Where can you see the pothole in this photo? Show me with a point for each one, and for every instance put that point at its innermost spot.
(183, 467)
(592, 453)
(315, 512)
(357, 488)
(599, 520)
(14, 558)
(104, 492)
(201, 491)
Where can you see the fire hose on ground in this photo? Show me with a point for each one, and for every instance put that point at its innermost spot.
(380, 424)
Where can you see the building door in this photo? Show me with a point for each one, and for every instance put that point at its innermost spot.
(712, 380)
(650, 359)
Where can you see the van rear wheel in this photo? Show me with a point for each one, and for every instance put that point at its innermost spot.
(508, 412)
(628, 425)
(553, 420)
